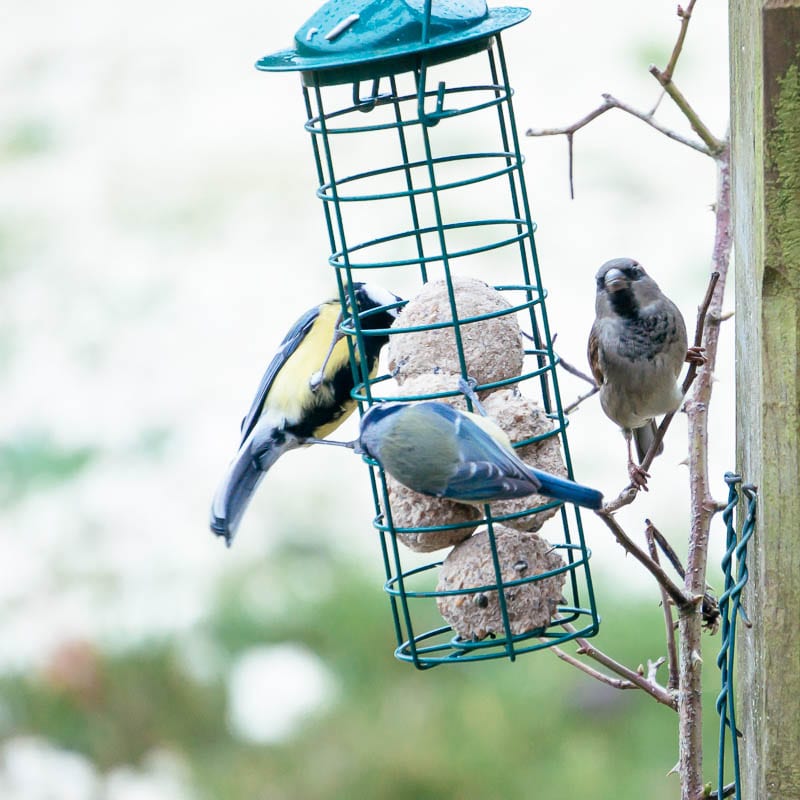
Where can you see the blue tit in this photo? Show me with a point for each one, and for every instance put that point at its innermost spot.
(637, 347)
(305, 394)
(434, 449)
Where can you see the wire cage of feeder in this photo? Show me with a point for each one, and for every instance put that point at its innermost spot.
(410, 115)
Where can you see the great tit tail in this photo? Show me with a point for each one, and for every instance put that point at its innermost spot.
(569, 491)
(236, 489)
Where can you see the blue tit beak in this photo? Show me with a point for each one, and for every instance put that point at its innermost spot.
(615, 280)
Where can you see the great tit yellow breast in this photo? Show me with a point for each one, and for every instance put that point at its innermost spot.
(320, 411)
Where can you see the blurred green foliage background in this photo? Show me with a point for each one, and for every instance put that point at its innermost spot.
(537, 728)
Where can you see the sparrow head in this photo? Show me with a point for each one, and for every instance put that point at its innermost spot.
(624, 287)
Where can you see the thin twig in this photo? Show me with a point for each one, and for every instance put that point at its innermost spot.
(578, 373)
(710, 606)
(666, 548)
(653, 667)
(714, 145)
(571, 161)
(676, 594)
(664, 77)
(727, 791)
(617, 683)
(685, 15)
(609, 102)
(672, 649)
(580, 398)
(573, 370)
(655, 690)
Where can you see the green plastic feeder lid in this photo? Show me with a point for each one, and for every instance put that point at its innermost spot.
(350, 33)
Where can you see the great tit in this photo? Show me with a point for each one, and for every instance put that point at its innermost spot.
(305, 394)
(437, 450)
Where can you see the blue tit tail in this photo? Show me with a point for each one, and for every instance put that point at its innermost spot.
(240, 482)
(570, 492)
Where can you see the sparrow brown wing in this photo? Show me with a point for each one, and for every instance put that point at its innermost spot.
(593, 353)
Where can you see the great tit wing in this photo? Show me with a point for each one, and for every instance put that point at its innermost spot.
(289, 344)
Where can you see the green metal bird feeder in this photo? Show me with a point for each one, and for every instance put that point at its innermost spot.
(420, 177)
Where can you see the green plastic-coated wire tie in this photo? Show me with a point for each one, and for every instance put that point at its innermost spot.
(730, 608)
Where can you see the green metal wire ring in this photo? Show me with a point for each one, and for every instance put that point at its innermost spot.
(314, 126)
(324, 192)
(344, 261)
(390, 585)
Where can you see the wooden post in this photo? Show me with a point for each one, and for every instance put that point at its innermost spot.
(765, 138)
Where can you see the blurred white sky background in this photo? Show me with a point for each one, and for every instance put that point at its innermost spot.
(159, 232)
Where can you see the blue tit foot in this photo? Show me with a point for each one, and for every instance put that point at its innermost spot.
(467, 387)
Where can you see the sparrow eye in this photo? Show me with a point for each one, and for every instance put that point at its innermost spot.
(634, 272)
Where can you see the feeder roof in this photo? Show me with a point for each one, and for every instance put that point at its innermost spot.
(350, 33)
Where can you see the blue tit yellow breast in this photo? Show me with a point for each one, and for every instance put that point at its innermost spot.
(492, 428)
(418, 448)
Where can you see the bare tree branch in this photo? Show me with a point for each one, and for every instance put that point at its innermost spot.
(609, 102)
(687, 700)
(676, 594)
(727, 791)
(685, 15)
(580, 398)
(578, 373)
(617, 683)
(710, 606)
(654, 689)
(714, 145)
(702, 508)
(669, 625)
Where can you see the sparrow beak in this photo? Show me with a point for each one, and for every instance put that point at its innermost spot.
(615, 280)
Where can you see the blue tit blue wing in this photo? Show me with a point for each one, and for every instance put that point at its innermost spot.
(487, 481)
(289, 344)
(486, 469)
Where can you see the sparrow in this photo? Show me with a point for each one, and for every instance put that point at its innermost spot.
(637, 348)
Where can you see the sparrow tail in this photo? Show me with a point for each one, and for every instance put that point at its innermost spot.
(644, 437)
